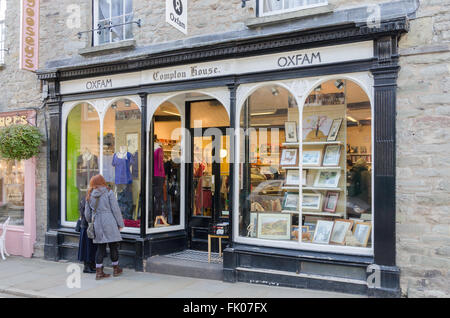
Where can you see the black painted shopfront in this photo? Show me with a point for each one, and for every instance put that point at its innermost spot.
(243, 260)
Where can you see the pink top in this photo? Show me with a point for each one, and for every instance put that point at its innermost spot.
(159, 163)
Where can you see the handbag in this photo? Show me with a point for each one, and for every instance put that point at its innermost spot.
(78, 226)
(90, 229)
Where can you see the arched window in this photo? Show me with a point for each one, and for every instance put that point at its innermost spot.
(337, 165)
(268, 212)
(82, 154)
(122, 157)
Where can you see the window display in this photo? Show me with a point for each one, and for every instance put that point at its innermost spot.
(167, 168)
(12, 191)
(121, 157)
(333, 203)
(82, 155)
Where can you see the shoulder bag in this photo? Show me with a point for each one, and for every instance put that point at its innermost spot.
(90, 229)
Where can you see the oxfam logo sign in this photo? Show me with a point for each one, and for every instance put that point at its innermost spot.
(178, 6)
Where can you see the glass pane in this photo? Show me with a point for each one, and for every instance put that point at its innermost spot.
(225, 182)
(128, 27)
(209, 114)
(128, 6)
(83, 150)
(104, 8)
(12, 191)
(122, 157)
(167, 167)
(337, 160)
(203, 178)
(117, 8)
(269, 205)
(105, 34)
(272, 5)
(117, 29)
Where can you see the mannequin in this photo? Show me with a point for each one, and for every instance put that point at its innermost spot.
(158, 177)
(87, 167)
(123, 180)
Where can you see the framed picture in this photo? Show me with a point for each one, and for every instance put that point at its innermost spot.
(252, 226)
(311, 201)
(292, 178)
(332, 156)
(289, 158)
(305, 229)
(311, 226)
(340, 229)
(290, 202)
(291, 131)
(334, 130)
(361, 232)
(133, 143)
(323, 232)
(304, 176)
(331, 201)
(294, 232)
(274, 226)
(327, 179)
(311, 157)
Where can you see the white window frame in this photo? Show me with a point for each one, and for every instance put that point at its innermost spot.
(261, 12)
(96, 21)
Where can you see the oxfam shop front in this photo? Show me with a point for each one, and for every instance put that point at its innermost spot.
(292, 149)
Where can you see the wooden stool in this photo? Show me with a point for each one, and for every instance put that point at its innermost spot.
(220, 237)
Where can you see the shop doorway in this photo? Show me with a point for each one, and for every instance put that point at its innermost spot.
(208, 177)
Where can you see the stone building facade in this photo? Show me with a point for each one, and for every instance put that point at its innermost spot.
(423, 98)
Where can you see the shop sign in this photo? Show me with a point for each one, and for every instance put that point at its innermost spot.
(29, 42)
(270, 62)
(176, 14)
(16, 118)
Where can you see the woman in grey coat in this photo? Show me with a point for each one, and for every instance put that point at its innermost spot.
(101, 204)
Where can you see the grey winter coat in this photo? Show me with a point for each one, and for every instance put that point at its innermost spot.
(108, 218)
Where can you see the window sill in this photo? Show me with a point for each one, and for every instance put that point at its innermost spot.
(288, 16)
(106, 48)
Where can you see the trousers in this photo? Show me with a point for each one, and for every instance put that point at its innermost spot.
(101, 252)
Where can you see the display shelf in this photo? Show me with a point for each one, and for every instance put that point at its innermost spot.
(322, 189)
(290, 188)
(323, 168)
(316, 143)
(289, 168)
(326, 214)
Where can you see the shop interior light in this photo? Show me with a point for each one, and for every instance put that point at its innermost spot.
(260, 125)
(114, 106)
(127, 103)
(275, 91)
(171, 113)
(352, 119)
(223, 153)
(318, 88)
(263, 113)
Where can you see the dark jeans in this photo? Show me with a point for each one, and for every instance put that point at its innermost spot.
(101, 252)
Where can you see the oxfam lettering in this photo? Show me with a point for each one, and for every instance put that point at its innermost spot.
(299, 59)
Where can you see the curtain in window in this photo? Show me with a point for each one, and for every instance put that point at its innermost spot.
(104, 14)
(272, 5)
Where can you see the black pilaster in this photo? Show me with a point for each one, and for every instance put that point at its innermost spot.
(385, 85)
(144, 143)
(233, 125)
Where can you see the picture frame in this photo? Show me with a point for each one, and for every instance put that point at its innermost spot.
(274, 226)
(311, 201)
(289, 157)
(253, 225)
(290, 202)
(311, 226)
(332, 156)
(331, 201)
(323, 231)
(132, 142)
(340, 229)
(294, 232)
(312, 158)
(292, 178)
(290, 129)
(327, 179)
(334, 130)
(304, 177)
(362, 231)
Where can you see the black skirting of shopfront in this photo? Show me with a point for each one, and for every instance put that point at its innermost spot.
(247, 263)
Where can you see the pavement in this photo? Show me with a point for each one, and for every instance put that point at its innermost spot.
(37, 278)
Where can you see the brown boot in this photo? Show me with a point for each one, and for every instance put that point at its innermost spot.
(100, 274)
(117, 270)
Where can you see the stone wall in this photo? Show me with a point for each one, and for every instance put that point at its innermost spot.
(423, 144)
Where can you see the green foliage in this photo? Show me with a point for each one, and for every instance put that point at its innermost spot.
(19, 142)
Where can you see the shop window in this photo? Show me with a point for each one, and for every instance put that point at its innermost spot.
(122, 157)
(114, 17)
(2, 31)
(337, 165)
(12, 191)
(269, 7)
(82, 152)
(308, 183)
(167, 166)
